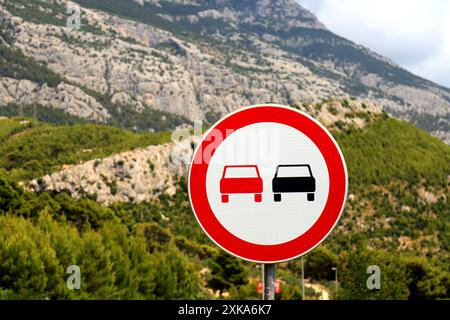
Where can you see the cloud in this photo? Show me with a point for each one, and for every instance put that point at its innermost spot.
(413, 33)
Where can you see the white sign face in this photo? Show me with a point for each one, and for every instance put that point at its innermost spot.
(268, 222)
(268, 183)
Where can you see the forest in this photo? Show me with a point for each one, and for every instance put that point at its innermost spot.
(157, 250)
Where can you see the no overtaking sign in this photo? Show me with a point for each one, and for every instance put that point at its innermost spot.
(268, 183)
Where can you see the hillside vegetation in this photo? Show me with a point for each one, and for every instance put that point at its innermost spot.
(31, 149)
(14, 64)
(399, 189)
(397, 218)
(394, 150)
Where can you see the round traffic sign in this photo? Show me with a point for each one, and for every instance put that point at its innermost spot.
(268, 183)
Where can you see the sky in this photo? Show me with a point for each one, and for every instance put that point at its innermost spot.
(413, 33)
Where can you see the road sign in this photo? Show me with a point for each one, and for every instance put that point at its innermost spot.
(268, 183)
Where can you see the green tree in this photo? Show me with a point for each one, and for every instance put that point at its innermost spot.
(116, 240)
(353, 276)
(67, 244)
(425, 280)
(174, 277)
(226, 272)
(142, 271)
(97, 277)
(10, 195)
(28, 265)
(318, 264)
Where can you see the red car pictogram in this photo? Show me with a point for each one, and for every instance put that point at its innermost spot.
(241, 180)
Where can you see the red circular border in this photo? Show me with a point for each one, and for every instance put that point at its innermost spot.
(317, 233)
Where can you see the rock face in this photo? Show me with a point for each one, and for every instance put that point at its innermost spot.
(144, 174)
(198, 57)
(65, 97)
(134, 176)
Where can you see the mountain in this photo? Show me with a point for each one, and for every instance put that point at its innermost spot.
(84, 182)
(196, 59)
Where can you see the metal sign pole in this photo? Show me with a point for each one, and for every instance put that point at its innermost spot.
(269, 282)
(303, 280)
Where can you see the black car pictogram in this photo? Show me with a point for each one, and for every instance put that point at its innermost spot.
(294, 179)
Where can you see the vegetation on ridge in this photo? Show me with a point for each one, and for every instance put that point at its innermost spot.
(128, 241)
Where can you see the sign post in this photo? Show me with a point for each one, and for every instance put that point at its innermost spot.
(269, 281)
(268, 184)
(303, 280)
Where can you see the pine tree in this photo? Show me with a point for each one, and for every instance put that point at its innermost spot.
(96, 268)
(174, 276)
(353, 276)
(318, 264)
(226, 271)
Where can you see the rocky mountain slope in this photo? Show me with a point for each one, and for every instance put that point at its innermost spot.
(398, 198)
(197, 59)
(136, 176)
(142, 175)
